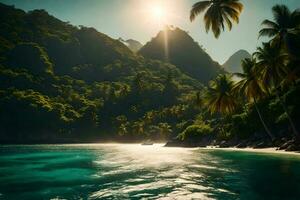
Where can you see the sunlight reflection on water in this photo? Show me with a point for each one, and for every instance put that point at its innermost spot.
(158, 169)
(133, 171)
(152, 155)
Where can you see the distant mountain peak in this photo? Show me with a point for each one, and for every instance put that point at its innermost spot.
(133, 45)
(233, 64)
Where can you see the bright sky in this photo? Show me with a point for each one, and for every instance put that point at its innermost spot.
(142, 19)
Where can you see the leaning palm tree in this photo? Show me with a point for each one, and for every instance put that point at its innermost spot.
(218, 13)
(272, 67)
(283, 29)
(250, 87)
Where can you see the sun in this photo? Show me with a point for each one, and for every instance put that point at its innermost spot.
(158, 13)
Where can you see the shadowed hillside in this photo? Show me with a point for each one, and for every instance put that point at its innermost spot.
(183, 52)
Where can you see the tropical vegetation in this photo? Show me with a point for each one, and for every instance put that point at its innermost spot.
(62, 83)
(263, 102)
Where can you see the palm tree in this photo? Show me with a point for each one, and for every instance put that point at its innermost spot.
(123, 129)
(293, 73)
(198, 101)
(250, 87)
(284, 27)
(165, 130)
(271, 64)
(218, 13)
(272, 67)
(219, 97)
(122, 124)
(138, 85)
(149, 117)
(139, 127)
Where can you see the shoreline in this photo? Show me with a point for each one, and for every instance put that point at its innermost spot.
(269, 150)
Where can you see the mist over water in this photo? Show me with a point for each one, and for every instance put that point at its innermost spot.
(118, 171)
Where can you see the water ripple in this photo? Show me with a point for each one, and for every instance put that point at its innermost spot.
(143, 172)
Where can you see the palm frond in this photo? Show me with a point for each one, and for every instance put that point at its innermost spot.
(233, 14)
(216, 21)
(270, 24)
(236, 5)
(281, 14)
(269, 32)
(219, 96)
(240, 75)
(220, 13)
(208, 20)
(295, 17)
(227, 20)
(198, 8)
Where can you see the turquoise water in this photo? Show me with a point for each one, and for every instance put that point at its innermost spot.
(144, 172)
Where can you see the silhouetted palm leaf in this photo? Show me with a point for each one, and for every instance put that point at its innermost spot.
(249, 85)
(218, 13)
(283, 28)
(272, 65)
(269, 32)
(198, 8)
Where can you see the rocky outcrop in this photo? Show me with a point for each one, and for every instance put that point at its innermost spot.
(282, 144)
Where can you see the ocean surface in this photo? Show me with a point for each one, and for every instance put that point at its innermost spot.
(132, 171)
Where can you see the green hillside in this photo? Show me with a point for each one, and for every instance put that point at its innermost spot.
(61, 83)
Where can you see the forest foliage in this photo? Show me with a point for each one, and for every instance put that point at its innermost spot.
(60, 82)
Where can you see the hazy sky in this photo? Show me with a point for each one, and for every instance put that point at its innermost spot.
(142, 19)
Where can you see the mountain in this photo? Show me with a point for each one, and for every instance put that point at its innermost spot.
(177, 47)
(62, 83)
(133, 45)
(66, 45)
(233, 64)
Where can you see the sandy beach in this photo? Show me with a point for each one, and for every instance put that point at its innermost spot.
(272, 150)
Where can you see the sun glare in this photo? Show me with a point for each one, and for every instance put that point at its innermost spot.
(158, 12)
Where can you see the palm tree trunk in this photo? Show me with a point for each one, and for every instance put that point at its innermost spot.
(296, 133)
(263, 122)
(223, 132)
